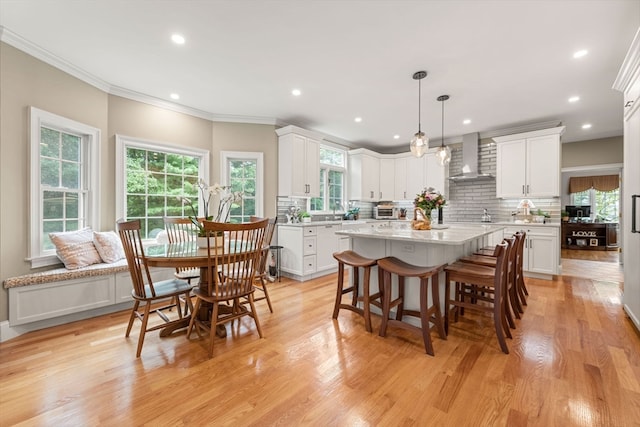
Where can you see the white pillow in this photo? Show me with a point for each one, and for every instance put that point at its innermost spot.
(108, 245)
(75, 248)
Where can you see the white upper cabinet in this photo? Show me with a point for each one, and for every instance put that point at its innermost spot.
(364, 174)
(528, 164)
(386, 178)
(413, 174)
(298, 162)
(435, 174)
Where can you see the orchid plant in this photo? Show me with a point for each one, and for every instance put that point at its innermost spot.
(227, 202)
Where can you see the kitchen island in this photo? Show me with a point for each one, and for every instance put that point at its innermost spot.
(423, 248)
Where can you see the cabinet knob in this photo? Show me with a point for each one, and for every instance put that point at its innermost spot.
(628, 104)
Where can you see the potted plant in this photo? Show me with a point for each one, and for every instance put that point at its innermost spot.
(564, 215)
(305, 216)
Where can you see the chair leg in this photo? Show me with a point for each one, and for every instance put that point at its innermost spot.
(336, 306)
(214, 324)
(386, 300)
(498, 319)
(400, 309)
(447, 302)
(132, 317)
(194, 314)
(356, 286)
(266, 293)
(424, 316)
(255, 315)
(143, 328)
(366, 305)
(435, 297)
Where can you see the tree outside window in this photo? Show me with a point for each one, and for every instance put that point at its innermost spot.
(243, 178)
(332, 183)
(605, 205)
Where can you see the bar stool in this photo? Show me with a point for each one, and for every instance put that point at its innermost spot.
(356, 261)
(392, 265)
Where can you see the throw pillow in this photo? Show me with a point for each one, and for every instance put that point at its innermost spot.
(108, 245)
(75, 248)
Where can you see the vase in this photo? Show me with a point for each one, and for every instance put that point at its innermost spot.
(216, 241)
(421, 220)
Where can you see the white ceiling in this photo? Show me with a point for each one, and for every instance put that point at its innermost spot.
(504, 63)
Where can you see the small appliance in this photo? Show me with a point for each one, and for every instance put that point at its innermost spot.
(385, 211)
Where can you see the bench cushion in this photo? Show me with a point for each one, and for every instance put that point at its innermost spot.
(59, 274)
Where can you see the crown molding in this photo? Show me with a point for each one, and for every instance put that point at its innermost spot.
(630, 66)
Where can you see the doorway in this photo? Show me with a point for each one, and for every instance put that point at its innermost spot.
(595, 265)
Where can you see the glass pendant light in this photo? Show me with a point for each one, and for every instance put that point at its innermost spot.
(419, 143)
(443, 154)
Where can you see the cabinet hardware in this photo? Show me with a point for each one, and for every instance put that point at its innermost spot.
(523, 189)
(628, 104)
(634, 199)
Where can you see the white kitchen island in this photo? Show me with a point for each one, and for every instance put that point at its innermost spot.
(423, 248)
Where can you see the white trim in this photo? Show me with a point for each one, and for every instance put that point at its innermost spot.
(225, 156)
(592, 167)
(123, 141)
(91, 141)
(630, 65)
(542, 132)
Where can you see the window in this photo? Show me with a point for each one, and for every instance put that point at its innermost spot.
(64, 180)
(242, 171)
(149, 178)
(605, 205)
(332, 182)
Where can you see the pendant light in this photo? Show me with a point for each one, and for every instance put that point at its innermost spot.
(443, 154)
(419, 143)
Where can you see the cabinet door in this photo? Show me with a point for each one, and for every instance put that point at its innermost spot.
(387, 177)
(435, 174)
(510, 169)
(298, 160)
(542, 254)
(416, 176)
(327, 244)
(312, 167)
(400, 179)
(543, 166)
(370, 178)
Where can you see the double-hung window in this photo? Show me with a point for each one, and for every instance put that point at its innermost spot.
(332, 181)
(605, 205)
(150, 177)
(64, 180)
(243, 172)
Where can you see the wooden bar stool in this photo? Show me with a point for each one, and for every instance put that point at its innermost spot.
(475, 283)
(392, 265)
(356, 261)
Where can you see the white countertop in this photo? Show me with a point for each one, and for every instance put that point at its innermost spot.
(454, 234)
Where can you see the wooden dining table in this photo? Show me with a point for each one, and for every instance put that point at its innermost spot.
(183, 255)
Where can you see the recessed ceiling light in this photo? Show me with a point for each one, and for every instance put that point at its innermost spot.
(580, 53)
(178, 38)
(358, 119)
(296, 92)
(396, 136)
(466, 121)
(174, 96)
(586, 126)
(574, 99)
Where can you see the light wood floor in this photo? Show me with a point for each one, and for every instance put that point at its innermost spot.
(575, 361)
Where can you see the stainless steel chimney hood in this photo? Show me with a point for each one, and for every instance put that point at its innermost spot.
(470, 163)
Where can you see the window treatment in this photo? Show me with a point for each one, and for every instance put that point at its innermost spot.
(600, 183)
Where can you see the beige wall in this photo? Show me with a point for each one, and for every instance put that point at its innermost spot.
(603, 151)
(26, 81)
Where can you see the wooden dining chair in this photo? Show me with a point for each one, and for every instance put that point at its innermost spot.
(181, 230)
(262, 270)
(231, 272)
(167, 292)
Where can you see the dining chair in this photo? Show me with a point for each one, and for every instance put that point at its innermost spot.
(262, 270)
(145, 291)
(231, 272)
(182, 230)
(475, 283)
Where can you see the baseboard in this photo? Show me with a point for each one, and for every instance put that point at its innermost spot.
(8, 332)
(632, 316)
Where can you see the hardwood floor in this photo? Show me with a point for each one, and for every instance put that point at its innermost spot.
(574, 361)
(595, 265)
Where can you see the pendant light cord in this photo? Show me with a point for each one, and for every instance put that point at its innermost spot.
(442, 140)
(419, 102)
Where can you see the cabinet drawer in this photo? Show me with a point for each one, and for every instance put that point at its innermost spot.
(309, 246)
(533, 230)
(310, 231)
(309, 264)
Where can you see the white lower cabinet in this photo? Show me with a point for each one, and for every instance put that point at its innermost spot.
(541, 249)
(308, 250)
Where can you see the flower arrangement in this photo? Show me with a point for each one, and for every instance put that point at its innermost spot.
(428, 200)
(227, 202)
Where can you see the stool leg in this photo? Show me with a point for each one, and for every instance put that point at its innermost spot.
(400, 309)
(336, 307)
(447, 298)
(435, 296)
(424, 316)
(365, 299)
(386, 299)
(356, 285)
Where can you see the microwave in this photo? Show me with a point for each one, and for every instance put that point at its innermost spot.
(385, 212)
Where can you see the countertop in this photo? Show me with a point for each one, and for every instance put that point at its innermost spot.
(454, 234)
(401, 222)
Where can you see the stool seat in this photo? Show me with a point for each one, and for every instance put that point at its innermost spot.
(486, 260)
(428, 313)
(356, 261)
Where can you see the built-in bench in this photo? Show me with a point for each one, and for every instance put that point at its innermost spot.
(61, 292)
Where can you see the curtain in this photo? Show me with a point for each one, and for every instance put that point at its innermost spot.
(600, 183)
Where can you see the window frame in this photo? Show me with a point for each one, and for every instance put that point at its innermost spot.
(123, 142)
(226, 156)
(327, 168)
(90, 179)
(592, 194)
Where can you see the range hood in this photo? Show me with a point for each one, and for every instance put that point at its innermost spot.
(469, 170)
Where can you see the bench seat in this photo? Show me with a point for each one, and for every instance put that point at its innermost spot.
(59, 274)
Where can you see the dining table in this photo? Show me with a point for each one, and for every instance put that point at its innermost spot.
(183, 255)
